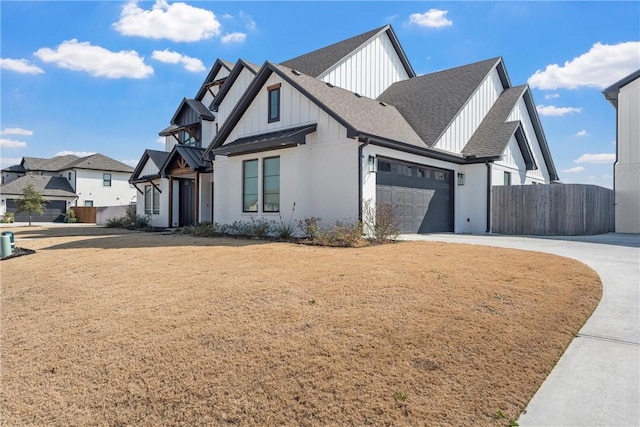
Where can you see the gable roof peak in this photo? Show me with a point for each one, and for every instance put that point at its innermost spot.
(320, 60)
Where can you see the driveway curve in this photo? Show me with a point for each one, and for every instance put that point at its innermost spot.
(596, 382)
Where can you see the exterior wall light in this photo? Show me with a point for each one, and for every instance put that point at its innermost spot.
(460, 178)
(372, 164)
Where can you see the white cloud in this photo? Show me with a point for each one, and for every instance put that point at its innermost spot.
(574, 170)
(227, 16)
(133, 162)
(170, 57)
(10, 161)
(12, 143)
(249, 23)
(597, 158)
(178, 22)
(433, 18)
(233, 38)
(160, 140)
(20, 66)
(582, 133)
(552, 96)
(600, 67)
(16, 131)
(96, 60)
(75, 153)
(550, 110)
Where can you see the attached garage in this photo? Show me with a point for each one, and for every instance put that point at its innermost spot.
(422, 195)
(54, 211)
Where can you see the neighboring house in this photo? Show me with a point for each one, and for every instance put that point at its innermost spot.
(624, 95)
(65, 181)
(351, 124)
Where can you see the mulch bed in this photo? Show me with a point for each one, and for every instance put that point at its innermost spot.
(17, 252)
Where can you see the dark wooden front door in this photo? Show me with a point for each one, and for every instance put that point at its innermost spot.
(187, 202)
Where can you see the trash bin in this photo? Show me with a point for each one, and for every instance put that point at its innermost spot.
(10, 234)
(5, 246)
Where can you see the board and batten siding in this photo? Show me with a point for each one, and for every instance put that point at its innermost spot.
(456, 136)
(353, 73)
(295, 110)
(513, 162)
(234, 94)
(149, 168)
(207, 99)
(521, 113)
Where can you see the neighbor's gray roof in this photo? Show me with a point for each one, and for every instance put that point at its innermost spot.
(364, 115)
(50, 165)
(430, 102)
(317, 62)
(99, 162)
(14, 168)
(494, 132)
(48, 186)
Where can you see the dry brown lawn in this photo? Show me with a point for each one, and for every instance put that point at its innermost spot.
(109, 327)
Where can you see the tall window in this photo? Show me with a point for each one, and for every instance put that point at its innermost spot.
(507, 178)
(151, 200)
(106, 180)
(148, 199)
(250, 186)
(274, 103)
(271, 185)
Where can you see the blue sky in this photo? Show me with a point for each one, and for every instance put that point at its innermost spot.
(84, 77)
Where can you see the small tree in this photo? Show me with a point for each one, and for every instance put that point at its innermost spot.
(31, 202)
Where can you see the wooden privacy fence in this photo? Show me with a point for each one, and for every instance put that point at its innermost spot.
(552, 210)
(85, 214)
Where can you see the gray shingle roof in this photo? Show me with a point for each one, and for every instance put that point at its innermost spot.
(430, 102)
(33, 163)
(14, 168)
(157, 157)
(494, 132)
(46, 185)
(317, 62)
(99, 162)
(364, 115)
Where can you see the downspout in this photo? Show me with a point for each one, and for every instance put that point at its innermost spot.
(360, 148)
(488, 230)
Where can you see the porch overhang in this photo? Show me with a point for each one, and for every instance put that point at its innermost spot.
(265, 141)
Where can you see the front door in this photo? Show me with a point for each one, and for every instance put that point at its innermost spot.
(187, 202)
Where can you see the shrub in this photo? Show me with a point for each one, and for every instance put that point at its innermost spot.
(131, 220)
(342, 234)
(70, 217)
(287, 229)
(8, 218)
(309, 227)
(259, 228)
(380, 221)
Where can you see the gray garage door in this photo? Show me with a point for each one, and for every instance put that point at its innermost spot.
(54, 211)
(422, 196)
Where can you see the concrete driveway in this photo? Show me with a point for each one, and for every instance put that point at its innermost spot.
(597, 380)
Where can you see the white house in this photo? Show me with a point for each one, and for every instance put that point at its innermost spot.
(65, 181)
(351, 124)
(624, 95)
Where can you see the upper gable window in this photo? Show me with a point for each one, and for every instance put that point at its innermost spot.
(274, 102)
(190, 136)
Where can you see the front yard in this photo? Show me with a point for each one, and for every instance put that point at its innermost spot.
(109, 327)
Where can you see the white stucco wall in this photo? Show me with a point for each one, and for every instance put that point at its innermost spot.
(161, 219)
(627, 167)
(89, 186)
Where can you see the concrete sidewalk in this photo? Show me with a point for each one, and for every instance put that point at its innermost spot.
(597, 380)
